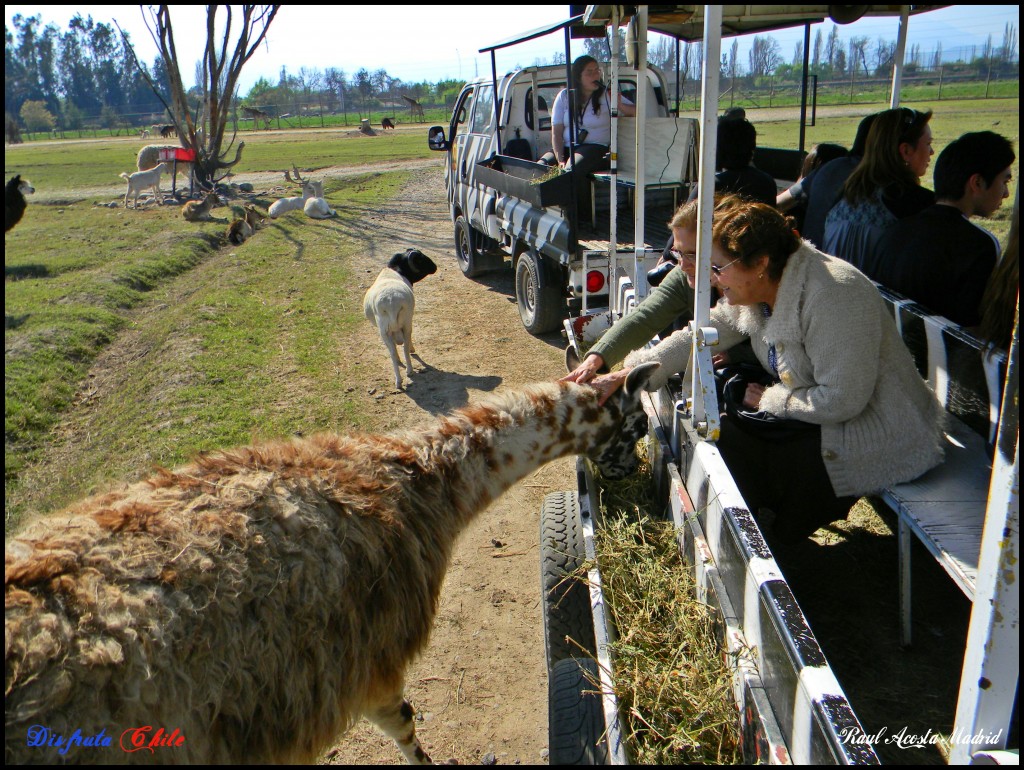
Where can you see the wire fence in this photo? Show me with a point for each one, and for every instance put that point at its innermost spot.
(736, 92)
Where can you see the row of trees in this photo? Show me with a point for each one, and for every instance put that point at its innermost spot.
(66, 75)
(831, 56)
(334, 90)
(62, 79)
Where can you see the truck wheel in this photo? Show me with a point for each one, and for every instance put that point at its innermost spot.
(538, 295)
(575, 715)
(472, 261)
(565, 600)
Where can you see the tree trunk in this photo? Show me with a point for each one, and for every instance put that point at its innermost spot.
(201, 125)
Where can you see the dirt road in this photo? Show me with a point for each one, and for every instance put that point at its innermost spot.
(481, 687)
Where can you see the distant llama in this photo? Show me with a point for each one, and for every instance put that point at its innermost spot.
(258, 601)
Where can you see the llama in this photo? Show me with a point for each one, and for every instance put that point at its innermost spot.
(199, 211)
(258, 601)
(149, 157)
(14, 200)
(145, 180)
(317, 207)
(168, 131)
(387, 123)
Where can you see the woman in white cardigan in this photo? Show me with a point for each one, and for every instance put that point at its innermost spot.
(820, 328)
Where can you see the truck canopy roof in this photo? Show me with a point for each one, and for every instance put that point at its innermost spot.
(687, 22)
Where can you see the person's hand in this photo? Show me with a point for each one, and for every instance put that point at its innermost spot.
(586, 371)
(718, 360)
(607, 384)
(752, 396)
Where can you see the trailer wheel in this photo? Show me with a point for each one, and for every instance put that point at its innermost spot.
(575, 716)
(565, 600)
(538, 295)
(472, 260)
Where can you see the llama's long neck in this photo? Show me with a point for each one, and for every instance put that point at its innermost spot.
(484, 449)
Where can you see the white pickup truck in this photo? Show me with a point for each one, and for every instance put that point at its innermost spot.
(498, 206)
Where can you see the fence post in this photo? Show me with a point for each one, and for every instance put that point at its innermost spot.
(940, 83)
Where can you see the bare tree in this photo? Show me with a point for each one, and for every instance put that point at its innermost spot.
(885, 53)
(765, 55)
(1009, 42)
(858, 52)
(201, 126)
(833, 45)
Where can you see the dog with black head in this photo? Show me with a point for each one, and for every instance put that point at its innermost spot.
(389, 304)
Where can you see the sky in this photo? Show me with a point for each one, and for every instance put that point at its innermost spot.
(434, 42)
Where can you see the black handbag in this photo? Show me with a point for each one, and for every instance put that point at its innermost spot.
(734, 380)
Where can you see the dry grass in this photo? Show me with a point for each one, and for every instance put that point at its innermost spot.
(671, 676)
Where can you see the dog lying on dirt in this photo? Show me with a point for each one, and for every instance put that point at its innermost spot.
(389, 304)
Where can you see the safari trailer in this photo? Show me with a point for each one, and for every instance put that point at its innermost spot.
(791, 707)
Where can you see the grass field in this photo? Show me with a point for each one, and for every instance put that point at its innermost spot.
(78, 274)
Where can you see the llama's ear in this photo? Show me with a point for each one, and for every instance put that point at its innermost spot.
(639, 376)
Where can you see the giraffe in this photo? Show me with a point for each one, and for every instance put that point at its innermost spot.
(257, 115)
(415, 108)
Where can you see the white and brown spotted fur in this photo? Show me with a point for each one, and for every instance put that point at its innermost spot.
(260, 600)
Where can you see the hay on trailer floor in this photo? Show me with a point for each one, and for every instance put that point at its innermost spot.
(672, 678)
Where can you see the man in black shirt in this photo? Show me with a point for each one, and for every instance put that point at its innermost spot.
(938, 257)
(737, 140)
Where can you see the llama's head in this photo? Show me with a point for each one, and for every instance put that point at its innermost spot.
(615, 455)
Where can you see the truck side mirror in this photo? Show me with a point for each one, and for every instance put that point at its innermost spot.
(436, 139)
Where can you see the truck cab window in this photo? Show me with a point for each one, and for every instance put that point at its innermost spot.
(483, 115)
(460, 120)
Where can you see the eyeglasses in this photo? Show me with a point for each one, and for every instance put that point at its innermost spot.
(719, 270)
(689, 256)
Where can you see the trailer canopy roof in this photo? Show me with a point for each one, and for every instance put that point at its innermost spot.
(686, 22)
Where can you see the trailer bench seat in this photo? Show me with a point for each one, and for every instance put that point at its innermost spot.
(945, 508)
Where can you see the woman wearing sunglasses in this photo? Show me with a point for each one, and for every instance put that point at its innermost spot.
(884, 188)
(837, 365)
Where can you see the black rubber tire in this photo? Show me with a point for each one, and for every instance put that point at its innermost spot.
(472, 261)
(565, 601)
(575, 716)
(539, 295)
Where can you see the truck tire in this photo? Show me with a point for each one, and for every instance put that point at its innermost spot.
(565, 600)
(575, 715)
(472, 261)
(538, 294)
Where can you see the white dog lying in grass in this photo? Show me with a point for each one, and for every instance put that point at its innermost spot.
(389, 304)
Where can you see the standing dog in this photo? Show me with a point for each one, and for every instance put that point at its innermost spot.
(389, 303)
